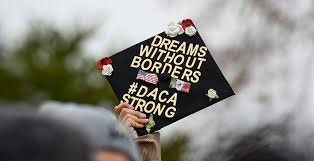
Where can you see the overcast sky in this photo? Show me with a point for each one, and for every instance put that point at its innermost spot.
(122, 23)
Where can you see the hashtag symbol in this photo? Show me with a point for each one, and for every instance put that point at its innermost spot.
(132, 88)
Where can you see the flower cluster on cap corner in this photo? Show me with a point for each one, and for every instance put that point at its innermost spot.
(104, 65)
(177, 28)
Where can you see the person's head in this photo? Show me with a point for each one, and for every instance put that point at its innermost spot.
(28, 137)
(110, 139)
(269, 143)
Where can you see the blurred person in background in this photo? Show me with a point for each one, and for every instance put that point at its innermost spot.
(28, 137)
(269, 143)
(266, 144)
(110, 140)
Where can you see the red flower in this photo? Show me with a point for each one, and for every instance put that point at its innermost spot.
(186, 23)
(103, 61)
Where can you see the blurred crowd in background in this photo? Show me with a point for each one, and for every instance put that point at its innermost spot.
(48, 51)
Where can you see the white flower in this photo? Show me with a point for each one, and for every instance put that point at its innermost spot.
(191, 30)
(181, 29)
(174, 29)
(107, 70)
(211, 93)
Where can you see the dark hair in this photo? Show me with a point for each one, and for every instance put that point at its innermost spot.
(28, 137)
(269, 143)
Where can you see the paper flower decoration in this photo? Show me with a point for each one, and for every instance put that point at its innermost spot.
(174, 29)
(186, 26)
(104, 64)
(189, 27)
(151, 123)
(190, 31)
(212, 94)
(186, 23)
(107, 70)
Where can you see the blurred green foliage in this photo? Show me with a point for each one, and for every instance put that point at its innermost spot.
(48, 64)
(174, 148)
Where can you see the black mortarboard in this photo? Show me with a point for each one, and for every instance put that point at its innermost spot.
(168, 76)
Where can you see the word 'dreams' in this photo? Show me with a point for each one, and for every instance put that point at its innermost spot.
(181, 60)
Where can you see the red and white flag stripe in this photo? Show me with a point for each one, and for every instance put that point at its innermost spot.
(147, 77)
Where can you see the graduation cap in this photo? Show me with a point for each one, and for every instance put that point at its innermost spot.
(168, 76)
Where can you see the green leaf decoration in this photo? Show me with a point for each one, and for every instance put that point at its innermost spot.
(151, 123)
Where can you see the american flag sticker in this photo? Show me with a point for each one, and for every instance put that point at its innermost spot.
(147, 77)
